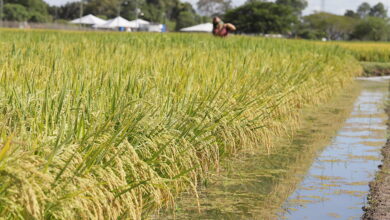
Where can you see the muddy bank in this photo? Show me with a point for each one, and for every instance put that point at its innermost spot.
(375, 69)
(379, 198)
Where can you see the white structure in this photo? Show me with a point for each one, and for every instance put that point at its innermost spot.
(274, 36)
(139, 23)
(207, 27)
(117, 22)
(156, 28)
(89, 20)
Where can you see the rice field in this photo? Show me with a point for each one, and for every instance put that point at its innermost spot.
(368, 51)
(111, 126)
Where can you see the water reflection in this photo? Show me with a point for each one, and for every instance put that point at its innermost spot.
(336, 185)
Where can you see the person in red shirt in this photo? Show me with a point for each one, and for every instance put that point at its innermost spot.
(220, 29)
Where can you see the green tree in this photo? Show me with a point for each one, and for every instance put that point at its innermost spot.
(171, 12)
(161, 11)
(31, 5)
(334, 27)
(15, 12)
(129, 8)
(297, 5)
(373, 29)
(38, 9)
(155, 10)
(351, 13)
(68, 11)
(185, 19)
(252, 1)
(36, 16)
(262, 17)
(214, 7)
(379, 11)
(103, 7)
(185, 15)
(364, 10)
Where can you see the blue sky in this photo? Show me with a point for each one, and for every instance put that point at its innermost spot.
(334, 6)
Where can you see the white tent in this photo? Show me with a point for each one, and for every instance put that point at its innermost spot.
(89, 20)
(138, 23)
(207, 27)
(159, 28)
(115, 23)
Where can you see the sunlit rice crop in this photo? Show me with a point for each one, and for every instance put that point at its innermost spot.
(368, 51)
(108, 126)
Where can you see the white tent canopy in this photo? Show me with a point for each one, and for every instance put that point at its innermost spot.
(115, 23)
(138, 22)
(89, 20)
(207, 27)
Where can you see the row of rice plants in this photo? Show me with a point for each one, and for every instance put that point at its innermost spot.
(108, 126)
(368, 51)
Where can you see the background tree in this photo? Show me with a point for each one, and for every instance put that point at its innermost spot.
(156, 10)
(37, 9)
(185, 16)
(107, 8)
(364, 10)
(127, 9)
(69, 11)
(333, 27)
(15, 12)
(378, 11)
(352, 14)
(297, 5)
(174, 13)
(185, 19)
(372, 29)
(252, 1)
(262, 17)
(214, 7)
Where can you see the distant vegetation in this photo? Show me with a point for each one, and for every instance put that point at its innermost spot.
(26, 10)
(367, 23)
(174, 13)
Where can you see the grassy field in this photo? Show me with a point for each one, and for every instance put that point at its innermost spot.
(109, 125)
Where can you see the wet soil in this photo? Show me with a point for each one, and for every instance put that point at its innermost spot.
(379, 198)
(375, 69)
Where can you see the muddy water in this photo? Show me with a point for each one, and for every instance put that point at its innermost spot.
(336, 186)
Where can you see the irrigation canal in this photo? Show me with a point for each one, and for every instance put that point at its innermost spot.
(336, 185)
(333, 185)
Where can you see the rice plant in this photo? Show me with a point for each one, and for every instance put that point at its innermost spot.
(109, 125)
(368, 51)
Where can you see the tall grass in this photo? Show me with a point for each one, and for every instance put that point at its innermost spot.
(108, 126)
